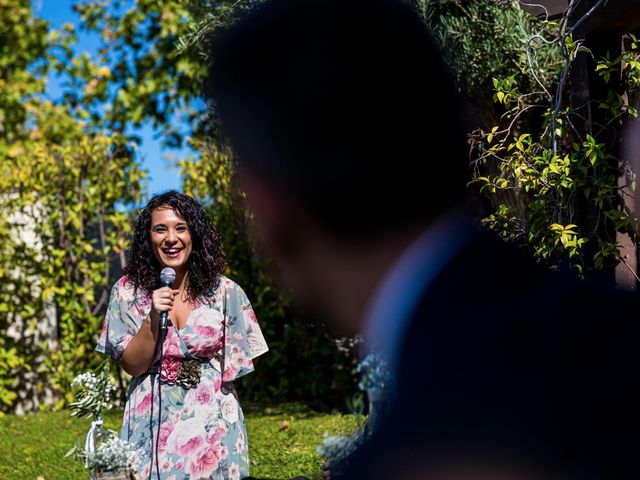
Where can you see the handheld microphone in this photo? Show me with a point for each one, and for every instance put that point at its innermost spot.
(167, 277)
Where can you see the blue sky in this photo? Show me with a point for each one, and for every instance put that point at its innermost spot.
(163, 172)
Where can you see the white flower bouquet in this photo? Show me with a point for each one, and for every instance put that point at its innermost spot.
(95, 394)
(104, 454)
(114, 459)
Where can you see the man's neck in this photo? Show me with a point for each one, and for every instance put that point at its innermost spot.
(349, 275)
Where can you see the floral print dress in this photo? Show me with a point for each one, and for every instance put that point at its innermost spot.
(184, 412)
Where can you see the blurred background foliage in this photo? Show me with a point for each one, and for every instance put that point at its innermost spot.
(71, 184)
(486, 40)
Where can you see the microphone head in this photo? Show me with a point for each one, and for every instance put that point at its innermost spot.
(167, 276)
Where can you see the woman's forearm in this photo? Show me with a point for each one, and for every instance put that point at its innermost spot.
(138, 356)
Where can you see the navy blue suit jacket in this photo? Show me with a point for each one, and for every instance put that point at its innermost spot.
(508, 363)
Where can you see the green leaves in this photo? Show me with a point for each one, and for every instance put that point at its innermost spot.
(567, 236)
(551, 183)
(10, 361)
(594, 151)
(606, 67)
(73, 183)
(626, 65)
(608, 254)
(505, 224)
(554, 185)
(491, 134)
(522, 140)
(505, 90)
(139, 74)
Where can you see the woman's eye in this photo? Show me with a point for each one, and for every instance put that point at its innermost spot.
(159, 229)
(182, 229)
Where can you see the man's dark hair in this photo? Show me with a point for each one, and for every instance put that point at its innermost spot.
(345, 105)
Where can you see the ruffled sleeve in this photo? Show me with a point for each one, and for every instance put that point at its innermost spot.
(121, 322)
(243, 338)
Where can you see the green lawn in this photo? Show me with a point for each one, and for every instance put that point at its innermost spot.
(282, 442)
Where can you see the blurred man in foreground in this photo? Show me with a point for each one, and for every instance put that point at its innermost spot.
(351, 141)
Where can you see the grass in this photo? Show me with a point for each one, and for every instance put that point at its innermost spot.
(282, 442)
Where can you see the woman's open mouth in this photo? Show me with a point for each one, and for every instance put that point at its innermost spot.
(172, 252)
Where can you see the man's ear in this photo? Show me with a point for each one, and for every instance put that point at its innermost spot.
(277, 217)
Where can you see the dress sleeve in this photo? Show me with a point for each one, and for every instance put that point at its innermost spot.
(121, 322)
(244, 339)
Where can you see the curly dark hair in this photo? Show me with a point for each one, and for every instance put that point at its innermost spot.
(207, 259)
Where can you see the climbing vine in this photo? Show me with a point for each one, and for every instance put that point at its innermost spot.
(555, 186)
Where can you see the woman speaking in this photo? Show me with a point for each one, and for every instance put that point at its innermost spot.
(181, 407)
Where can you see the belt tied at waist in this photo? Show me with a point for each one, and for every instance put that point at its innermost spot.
(183, 371)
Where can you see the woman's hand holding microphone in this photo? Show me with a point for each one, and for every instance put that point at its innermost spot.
(162, 301)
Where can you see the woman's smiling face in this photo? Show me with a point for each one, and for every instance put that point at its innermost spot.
(170, 238)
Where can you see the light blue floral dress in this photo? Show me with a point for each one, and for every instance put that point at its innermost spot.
(193, 426)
